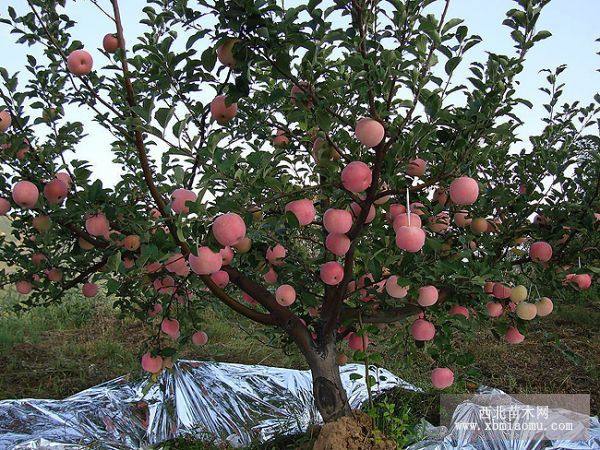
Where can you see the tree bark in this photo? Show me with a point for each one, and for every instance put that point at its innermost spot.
(330, 396)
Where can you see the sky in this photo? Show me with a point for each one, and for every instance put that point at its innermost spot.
(573, 23)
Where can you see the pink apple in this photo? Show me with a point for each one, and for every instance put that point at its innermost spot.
(89, 290)
(37, 259)
(303, 209)
(584, 281)
(248, 299)
(462, 219)
(402, 220)
(80, 62)
(356, 210)
(64, 177)
(422, 330)
(229, 229)
(178, 265)
(357, 176)
(337, 221)
(179, 198)
(4, 206)
(303, 92)
(394, 289)
(221, 112)
(199, 338)
(220, 278)
(332, 273)
(416, 167)
(494, 309)
(280, 139)
(544, 306)
(132, 242)
(440, 222)
(152, 364)
(227, 255)
(428, 295)
(170, 327)
(458, 310)
(501, 291)
(411, 239)
(23, 287)
(464, 191)
(357, 342)
(25, 194)
(5, 121)
(513, 336)
(54, 274)
(442, 377)
(207, 262)
(276, 255)
(395, 210)
(369, 132)
(225, 53)
(97, 225)
(540, 251)
(110, 43)
(337, 243)
(285, 295)
(271, 276)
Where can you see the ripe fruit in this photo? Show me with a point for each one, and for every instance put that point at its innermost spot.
(411, 239)
(97, 225)
(356, 176)
(422, 330)
(244, 245)
(4, 206)
(337, 221)
(526, 311)
(152, 364)
(501, 291)
(303, 209)
(85, 245)
(394, 289)
(229, 229)
(276, 254)
(479, 225)
(220, 111)
(494, 309)
(178, 265)
(341, 359)
(179, 197)
(303, 92)
(285, 295)
(428, 295)
(110, 43)
(199, 338)
(462, 219)
(458, 310)
(37, 259)
(440, 196)
(271, 276)
(89, 290)
(323, 151)
(207, 262)
(23, 287)
(226, 255)
(170, 327)
(337, 243)
(332, 273)
(55, 191)
(280, 139)
(395, 210)
(220, 278)
(54, 274)
(488, 287)
(540, 251)
(132, 242)
(225, 53)
(25, 194)
(356, 342)
(416, 167)
(442, 377)
(80, 62)
(464, 191)
(401, 220)
(5, 121)
(583, 280)
(513, 336)
(518, 294)
(356, 210)
(369, 132)
(440, 222)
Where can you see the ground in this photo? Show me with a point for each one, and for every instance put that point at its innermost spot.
(63, 349)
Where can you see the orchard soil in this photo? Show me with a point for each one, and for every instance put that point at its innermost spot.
(63, 349)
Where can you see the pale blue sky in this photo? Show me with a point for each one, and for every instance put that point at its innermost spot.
(574, 24)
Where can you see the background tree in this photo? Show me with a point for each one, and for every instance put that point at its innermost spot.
(339, 180)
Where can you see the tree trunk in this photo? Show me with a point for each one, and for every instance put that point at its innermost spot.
(330, 396)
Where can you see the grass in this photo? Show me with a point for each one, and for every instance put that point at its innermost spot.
(63, 349)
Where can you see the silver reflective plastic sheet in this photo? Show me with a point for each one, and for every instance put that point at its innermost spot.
(233, 403)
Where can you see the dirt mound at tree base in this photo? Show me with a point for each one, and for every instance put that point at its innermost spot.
(354, 432)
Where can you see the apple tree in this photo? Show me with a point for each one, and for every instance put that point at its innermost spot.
(325, 169)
